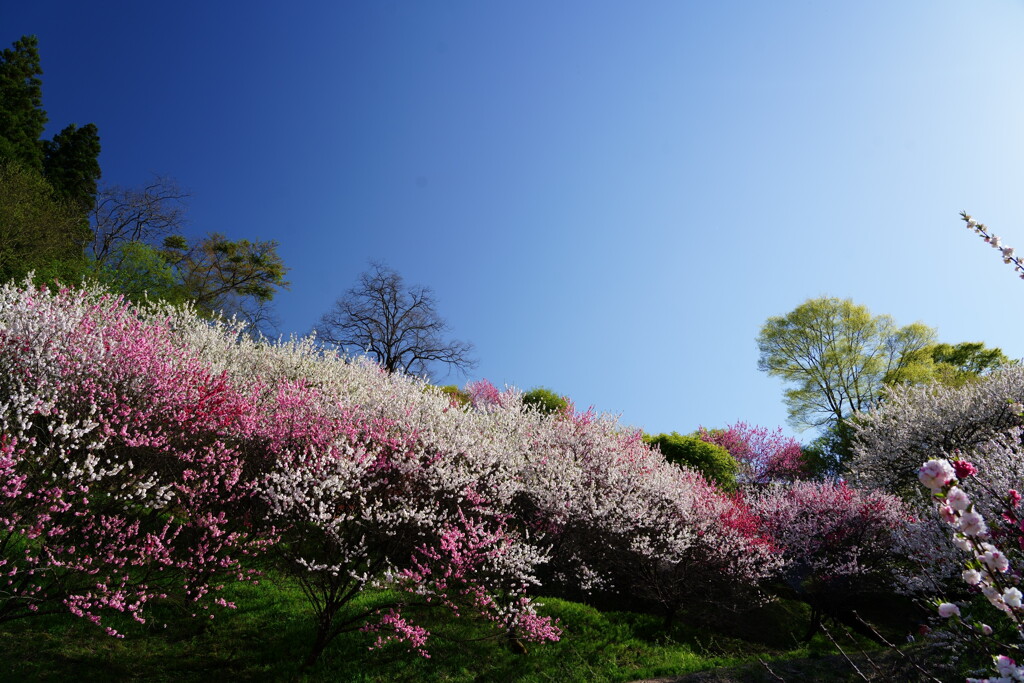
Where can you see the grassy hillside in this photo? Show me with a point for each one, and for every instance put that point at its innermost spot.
(268, 635)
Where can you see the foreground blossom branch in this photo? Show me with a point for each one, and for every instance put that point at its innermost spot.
(988, 568)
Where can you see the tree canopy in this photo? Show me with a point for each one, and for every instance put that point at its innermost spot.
(958, 364)
(48, 185)
(714, 462)
(71, 163)
(545, 400)
(147, 214)
(231, 277)
(837, 357)
(39, 232)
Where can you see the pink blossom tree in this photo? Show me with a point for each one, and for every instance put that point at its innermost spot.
(621, 520)
(378, 480)
(763, 455)
(838, 543)
(988, 569)
(363, 502)
(120, 477)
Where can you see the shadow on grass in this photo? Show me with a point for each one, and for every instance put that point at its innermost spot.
(269, 634)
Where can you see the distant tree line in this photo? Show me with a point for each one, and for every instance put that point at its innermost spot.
(59, 224)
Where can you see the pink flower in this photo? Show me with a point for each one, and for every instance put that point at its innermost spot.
(947, 514)
(1005, 666)
(964, 469)
(948, 609)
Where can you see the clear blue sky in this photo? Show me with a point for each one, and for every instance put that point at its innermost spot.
(608, 199)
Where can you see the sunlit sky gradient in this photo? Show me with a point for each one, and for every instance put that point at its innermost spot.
(608, 199)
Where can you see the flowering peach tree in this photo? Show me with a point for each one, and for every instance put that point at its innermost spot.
(121, 480)
(838, 544)
(763, 455)
(621, 520)
(987, 568)
(146, 455)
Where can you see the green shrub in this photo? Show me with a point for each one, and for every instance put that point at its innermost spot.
(458, 396)
(545, 400)
(714, 462)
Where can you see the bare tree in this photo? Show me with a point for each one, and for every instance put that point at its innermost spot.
(126, 214)
(395, 324)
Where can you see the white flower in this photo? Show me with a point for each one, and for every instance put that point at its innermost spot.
(962, 542)
(1012, 597)
(972, 524)
(1005, 666)
(995, 561)
(957, 499)
(948, 609)
(935, 474)
(972, 577)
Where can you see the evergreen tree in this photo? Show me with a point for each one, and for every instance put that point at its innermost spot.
(49, 187)
(22, 118)
(71, 164)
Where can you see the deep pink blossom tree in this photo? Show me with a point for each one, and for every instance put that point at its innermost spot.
(763, 455)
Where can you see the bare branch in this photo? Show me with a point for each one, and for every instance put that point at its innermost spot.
(148, 215)
(396, 325)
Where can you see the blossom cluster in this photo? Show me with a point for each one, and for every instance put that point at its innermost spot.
(837, 542)
(120, 477)
(987, 568)
(926, 421)
(473, 506)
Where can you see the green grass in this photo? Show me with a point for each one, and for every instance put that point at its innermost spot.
(268, 635)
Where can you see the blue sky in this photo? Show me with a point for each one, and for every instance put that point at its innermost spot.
(608, 199)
